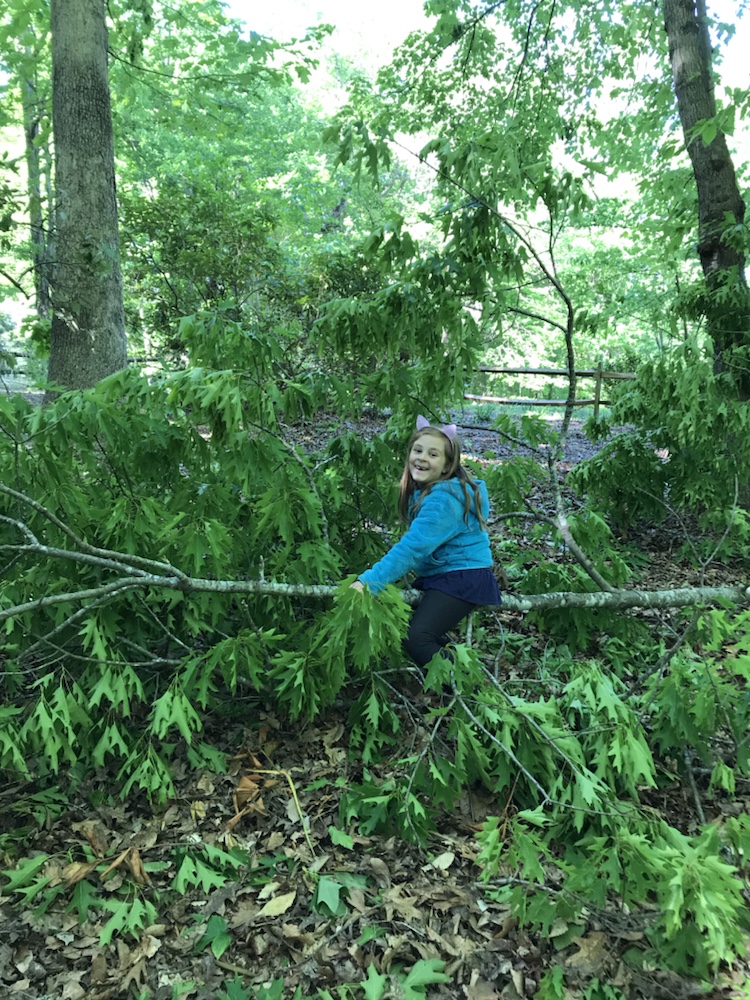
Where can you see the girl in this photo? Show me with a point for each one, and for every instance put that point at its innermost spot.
(446, 542)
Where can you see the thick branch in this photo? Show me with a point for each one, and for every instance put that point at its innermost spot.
(617, 600)
(137, 578)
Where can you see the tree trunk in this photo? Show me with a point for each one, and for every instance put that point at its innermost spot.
(719, 201)
(88, 323)
(32, 112)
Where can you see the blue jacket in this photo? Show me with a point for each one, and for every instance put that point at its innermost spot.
(438, 540)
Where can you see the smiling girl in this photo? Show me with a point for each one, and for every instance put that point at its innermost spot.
(446, 543)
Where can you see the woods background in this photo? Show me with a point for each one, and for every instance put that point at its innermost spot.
(299, 256)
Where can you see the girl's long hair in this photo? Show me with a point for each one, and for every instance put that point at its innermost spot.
(407, 486)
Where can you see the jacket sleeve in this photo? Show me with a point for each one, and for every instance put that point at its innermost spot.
(438, 520)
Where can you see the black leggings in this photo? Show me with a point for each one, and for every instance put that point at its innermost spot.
(436, 613)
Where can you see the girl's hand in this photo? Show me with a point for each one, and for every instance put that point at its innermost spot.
(358, 585)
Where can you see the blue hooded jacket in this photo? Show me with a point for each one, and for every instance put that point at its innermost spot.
(438, 540)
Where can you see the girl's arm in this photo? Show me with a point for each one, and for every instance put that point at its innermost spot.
(438, 520)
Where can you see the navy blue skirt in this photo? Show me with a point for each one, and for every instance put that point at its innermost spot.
(478, 586)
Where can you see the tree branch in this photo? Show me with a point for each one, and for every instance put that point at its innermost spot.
(138, 578)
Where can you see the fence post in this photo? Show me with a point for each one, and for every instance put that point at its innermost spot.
(597, 390)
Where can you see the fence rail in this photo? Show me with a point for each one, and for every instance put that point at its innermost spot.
(598, 373)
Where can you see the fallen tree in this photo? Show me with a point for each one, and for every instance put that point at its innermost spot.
(145, 574)
(165, 550)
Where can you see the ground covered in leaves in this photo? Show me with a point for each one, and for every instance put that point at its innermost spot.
(251, 883)
(254, 879)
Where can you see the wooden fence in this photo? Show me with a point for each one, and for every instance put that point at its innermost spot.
(598, 374)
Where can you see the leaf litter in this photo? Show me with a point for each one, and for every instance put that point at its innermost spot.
(299, 906)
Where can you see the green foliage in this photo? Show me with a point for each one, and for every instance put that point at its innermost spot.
(703, 696)
(689, 452)
(411, 985)
(699, 917)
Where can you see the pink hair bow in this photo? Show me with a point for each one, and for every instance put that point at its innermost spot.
(448, 429)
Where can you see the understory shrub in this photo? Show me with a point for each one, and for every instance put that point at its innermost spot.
(689, 452)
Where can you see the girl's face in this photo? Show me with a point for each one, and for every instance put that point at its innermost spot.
(428, 460)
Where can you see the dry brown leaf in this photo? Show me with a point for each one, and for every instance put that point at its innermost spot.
(275, 841)
(292, 811)
(135, 975)
(296, 938)
(357, 899)
(402, 905)
(381, 871)
(246, 913)
(319, 863)
(99, 970)
(232, 823)
(135, 864)
(77, 870)
(96, 834)
(480, 989)
(442, 862)
(278, 905)
(171, 816)
(445, 947)
(147, 947)
(594, 953)
(124, 956)
(116, 863)
(197, 810)
(72, 990)
(333, 735)
(145, 838)
(205, 785)
(246, 790)
(268, 890)
(256, 806)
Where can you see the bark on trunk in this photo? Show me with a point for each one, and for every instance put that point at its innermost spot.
(88, 323)
(719, 199)
(32, 112)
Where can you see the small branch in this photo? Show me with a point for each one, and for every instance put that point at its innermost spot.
(138, 578)
(618, 600)
(546, 797)
(412, 777)
(24, 529)
(561, 523)
(67, 622)
(12, 280)
(306, 470)
(133, 562)
(106, 590)
(537, 316)
(693, 785)
(504, 435)
(661, 664)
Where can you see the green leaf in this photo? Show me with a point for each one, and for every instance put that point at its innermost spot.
(340, 838)
(327, 898)
(424, 973)
(25, 872)
(374, 987)
(216, 935)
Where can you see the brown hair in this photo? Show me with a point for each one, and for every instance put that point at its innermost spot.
(455, 470)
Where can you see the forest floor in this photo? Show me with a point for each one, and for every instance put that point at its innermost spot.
(315, 906)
